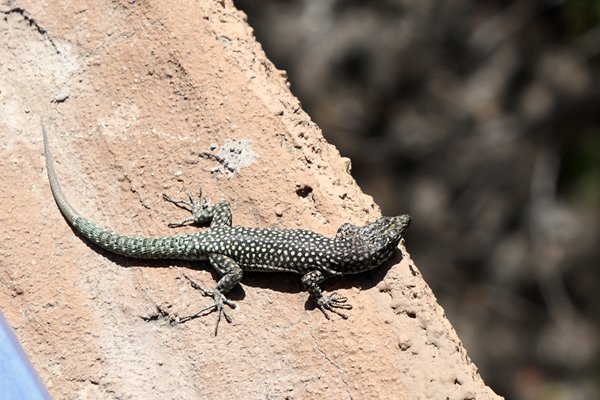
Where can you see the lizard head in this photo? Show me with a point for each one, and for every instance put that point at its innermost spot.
(371, 245)
(380, 238)
(385, 231)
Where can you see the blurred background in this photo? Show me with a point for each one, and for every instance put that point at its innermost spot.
(481, 119)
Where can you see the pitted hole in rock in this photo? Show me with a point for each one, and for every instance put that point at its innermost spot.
(304, 191)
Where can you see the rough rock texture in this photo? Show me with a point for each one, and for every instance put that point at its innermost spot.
(134, 95)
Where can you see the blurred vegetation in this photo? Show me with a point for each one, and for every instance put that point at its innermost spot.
(580, 175)
(581, 15)
(481, 119)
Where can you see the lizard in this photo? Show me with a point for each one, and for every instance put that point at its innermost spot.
(232, 250)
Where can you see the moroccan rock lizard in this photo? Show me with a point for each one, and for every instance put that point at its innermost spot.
(234, 249)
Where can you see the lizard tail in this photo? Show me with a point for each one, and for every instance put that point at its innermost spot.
(129, 246)
(65, 208)
(160, 247)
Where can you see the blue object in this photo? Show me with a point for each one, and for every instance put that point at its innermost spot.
(18, 379)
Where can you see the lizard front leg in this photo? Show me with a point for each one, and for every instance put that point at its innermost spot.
(311, 281)
(231, 276)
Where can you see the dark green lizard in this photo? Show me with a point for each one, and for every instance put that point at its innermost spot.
(233, 249)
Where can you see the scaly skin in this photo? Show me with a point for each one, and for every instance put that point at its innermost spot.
(233, 249)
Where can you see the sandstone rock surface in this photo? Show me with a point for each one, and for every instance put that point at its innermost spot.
(134, 95)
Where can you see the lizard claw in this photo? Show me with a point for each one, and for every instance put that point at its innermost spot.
(200, 209)
(183, 204)
(331, 303)
(220, 301)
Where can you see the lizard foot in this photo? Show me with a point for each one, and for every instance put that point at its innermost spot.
(195, 206)
(220, 301)
(331, 302)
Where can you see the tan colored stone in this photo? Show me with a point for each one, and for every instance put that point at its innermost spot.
(132, 92)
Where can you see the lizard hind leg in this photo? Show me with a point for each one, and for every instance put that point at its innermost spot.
(202, 211)
(219, 299)
(231, 276)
